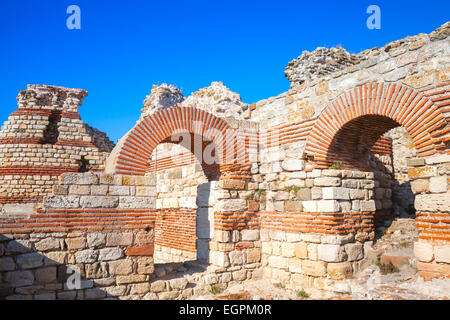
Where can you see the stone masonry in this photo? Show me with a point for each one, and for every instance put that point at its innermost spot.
(290, 188)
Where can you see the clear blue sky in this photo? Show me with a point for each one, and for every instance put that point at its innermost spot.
(124, 47)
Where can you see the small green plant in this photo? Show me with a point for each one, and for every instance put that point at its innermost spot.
(280, 285)
(252, 197)
(261, 192)
(292, 188)
(302, 294)
(215, 289)
(335, 166)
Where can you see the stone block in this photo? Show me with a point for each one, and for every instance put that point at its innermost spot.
(314, 268)
(301, 250)
(99, 202)
(120, 267)
(327, 206)
(327, 182)
(7, 264)
(250, 235)
(30, 260)
(232, 184)
(292, 165)
(339, 271)
(355, 251)
(331, 253)
(96, 239)
(442, 254)
(278, 262)
(422, 172)
(46, 275)
(438, 184)
(119, 239)
(75, 243)
(335, 193)
(432, 202)
(108, 254)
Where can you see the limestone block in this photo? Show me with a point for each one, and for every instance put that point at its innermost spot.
(7, 264)
(279, 262)
(30, 260)
(98, 202)
(86, 256)
(422, 172)
(253, 255)
(314, 268)
(96, 239)
(295, 265)
(339, 271)
(141, 203)
(47, 244)
(62, 202)
(19, 278)
(438, 184)
(75, 243)
(310, 206)
(420, 186)
(287, 249)
(237, 258)
(328, 206)
(232, 184)
(119, 239)
(327, 182)
(331, 253)
(355, 251)
(219, 258)
(120, 267)
(432, 202)
(301, 250)
(442, 254)
(335, 193)
(292, 165)
(250, 235)
(423, 251)
(232, 205)
(367, 205)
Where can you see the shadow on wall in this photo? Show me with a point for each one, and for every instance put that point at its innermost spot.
(204, 221)
(71, 267)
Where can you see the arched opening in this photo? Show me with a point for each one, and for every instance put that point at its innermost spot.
(186, 175)
(51, 132)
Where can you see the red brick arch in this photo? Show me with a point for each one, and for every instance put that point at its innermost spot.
(349, 126)
(159, 127)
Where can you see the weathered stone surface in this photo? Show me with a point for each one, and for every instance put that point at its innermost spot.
(62, 201)
(292, 165)
(301, 250)
(335, 193)
(178, 284)
(47, 244)
(442, 254)
(314, 268)
(86, 256)
(339, 271)
(331, 253)
(250, 235)
(7, 264)
(253, 255)
(96, 239)
(438, 184)
(158, 286)
(278, 262)
(45, 275)
(108, 254)
(75, 243)
(327, 182)
(30, 260)
(99, 202)
(232, 205)
(219, 258)
(17, 246)
(355, 251)
(130, 279)
(119, 239)
(421, 172)
(232, 184)
(145, 265)
(120, 267)
(432, 202)
(423, 251)
(19, 278)
(237, 258)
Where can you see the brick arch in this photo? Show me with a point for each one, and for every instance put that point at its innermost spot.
(363, 114)
(135, 151)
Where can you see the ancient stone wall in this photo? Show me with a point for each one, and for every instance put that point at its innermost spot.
(298, 184)
(44, 138)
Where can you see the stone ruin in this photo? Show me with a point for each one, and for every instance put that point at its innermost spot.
(298, 186)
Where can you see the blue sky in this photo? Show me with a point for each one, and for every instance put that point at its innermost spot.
(124, 47)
